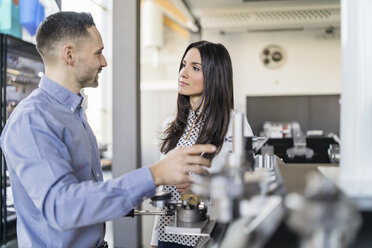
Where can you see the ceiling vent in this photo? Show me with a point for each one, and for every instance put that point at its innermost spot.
(274, 19)
(249, 1)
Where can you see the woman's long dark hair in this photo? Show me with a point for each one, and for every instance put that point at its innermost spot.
(217, 99)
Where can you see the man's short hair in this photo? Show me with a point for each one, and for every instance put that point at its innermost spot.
(61, 26)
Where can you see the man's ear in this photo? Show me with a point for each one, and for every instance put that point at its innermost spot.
(69, 54)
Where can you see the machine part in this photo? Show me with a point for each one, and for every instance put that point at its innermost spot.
(261, 217)
(192, 215)
(236, 160)
(265, 161)
(186, 228)
(190, 219)
(334, 153)
(299, 143)
(201, 184)
(189, 199)
(324, 217)
(171, 209)
(161, 199)
(238, 135)
(267, 149)
(277, 130)
(223, 190)
(249, 154)
(258, 143)
(201, 229)
(135, 212)
(334, 137)
(271, 182)
(238, 180)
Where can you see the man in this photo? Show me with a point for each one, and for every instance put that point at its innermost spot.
(52, 154)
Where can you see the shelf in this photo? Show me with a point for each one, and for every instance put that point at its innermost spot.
(21, 68)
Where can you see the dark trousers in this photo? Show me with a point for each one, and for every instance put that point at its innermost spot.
(162, 244)
(103, 245)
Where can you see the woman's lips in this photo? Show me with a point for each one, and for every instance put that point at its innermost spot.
(183, 83)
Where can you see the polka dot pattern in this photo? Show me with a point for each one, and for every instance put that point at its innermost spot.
(188, 240)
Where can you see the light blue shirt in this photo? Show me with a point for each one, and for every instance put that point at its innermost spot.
(55, 173)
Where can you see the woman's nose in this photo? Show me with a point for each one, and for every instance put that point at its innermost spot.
(183, 72)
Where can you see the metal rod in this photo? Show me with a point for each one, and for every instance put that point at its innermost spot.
(148, 212)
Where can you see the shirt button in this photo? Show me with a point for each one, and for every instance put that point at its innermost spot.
(72, 109)
(97, 174)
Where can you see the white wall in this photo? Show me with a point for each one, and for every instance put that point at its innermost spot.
(159, 91)
(313, 63)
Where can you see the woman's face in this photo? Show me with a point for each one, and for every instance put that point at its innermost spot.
(191, 79)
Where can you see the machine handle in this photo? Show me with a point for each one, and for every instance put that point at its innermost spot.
(134, 212)
(130, 214)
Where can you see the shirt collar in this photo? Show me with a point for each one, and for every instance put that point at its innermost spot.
(193, 113)
(61, 94)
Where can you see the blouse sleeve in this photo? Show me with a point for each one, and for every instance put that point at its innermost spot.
(247, 128)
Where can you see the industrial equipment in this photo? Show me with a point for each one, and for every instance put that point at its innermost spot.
(255, 199)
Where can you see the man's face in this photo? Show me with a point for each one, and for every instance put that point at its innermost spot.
(90, 59)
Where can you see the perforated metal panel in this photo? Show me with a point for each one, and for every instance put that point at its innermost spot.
(295, 15)
(245, 19)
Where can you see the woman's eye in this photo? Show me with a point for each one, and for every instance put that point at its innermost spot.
(196, 68)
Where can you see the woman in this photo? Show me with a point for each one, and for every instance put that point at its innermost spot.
(204, 109)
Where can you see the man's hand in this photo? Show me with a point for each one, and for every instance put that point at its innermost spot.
(175, 167)
(183, 187)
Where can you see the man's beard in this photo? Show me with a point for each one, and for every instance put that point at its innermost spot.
(85, 79)
(85, 83)
(91, 84)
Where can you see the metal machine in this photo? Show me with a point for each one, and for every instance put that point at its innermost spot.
(289, 142)
(190, 213)
(246, 196)
(251, 200)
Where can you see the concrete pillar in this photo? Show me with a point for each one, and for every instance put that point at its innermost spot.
(126, 108)
(356, 99)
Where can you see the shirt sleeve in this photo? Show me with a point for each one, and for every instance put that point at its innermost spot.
(40, 161)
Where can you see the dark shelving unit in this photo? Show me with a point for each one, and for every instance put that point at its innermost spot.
(21, 68)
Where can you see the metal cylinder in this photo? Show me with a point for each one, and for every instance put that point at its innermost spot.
(192, 215)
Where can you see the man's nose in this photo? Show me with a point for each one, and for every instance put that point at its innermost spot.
(103, 61)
